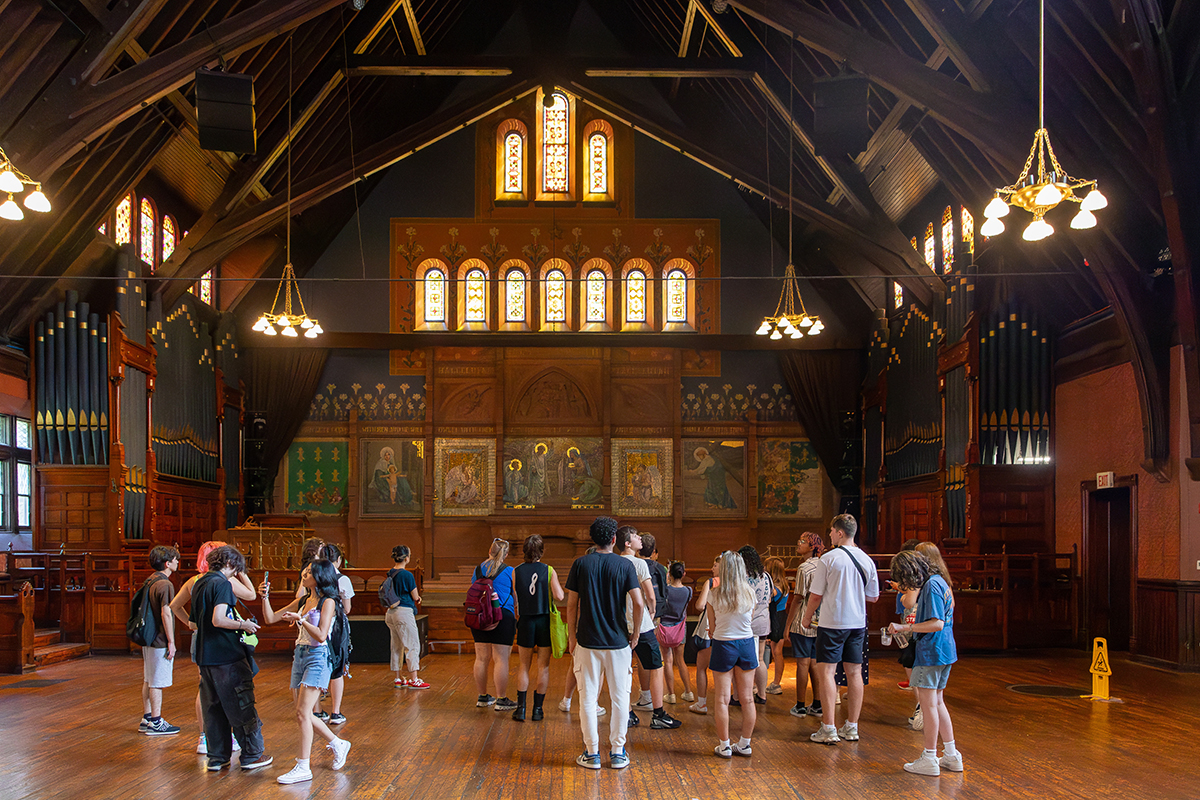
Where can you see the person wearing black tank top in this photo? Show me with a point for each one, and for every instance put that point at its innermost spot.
(533, 585)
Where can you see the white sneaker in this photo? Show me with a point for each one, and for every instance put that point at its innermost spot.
(953, 763)
(925, 765)
(643, 705)
(670, 698)
(838, 695)
(601, 711)
(341, 749)
(202, 746)
(698, 707)
(741, 751)
(689, 697)
(826, 734)
(564, 705)
(917, 720)
(724, 751)
(299, 774)
(774, 688)
(849, 731)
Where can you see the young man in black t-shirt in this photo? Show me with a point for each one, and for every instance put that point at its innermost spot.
(226, 675)
(601, 646)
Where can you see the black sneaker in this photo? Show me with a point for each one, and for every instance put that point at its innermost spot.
(799, 710)
(733, 701)
(337, 719)
(537, 714)
(761, 701)
(160, 728)
(504, 704)
(633, 720)
(321, 715)
(484, 701)
(214, 765)
(519, 714)
(664, 721)
(815, 710)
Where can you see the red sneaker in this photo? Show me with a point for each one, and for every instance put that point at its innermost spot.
(417, 683)
(400, 683)
(903, 684)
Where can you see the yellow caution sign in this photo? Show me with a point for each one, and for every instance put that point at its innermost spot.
(1100, 669)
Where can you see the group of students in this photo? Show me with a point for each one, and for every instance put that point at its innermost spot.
(222, 647)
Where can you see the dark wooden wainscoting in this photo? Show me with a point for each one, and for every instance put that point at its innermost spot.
(1166, 622)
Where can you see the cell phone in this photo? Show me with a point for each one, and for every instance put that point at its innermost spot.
(267, 576)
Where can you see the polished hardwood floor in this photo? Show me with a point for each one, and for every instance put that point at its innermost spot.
(75, 737)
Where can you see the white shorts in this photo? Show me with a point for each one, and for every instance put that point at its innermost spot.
(156, 669)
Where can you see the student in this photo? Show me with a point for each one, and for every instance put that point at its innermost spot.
(496, 645)
(775, 568)
(629, 542)
(734, 651)
(313, 615)
(703, 641)
(159, 655)
(672, 632)
(401, 620)
(936, 653)
(601, 645)
(341, 671)
(648, 552)
(804, 639)
(181, 607)
(572, 684)
(226, 674)
(534, 583)
(760, 618)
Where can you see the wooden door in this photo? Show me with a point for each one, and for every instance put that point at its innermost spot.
(1108, 569)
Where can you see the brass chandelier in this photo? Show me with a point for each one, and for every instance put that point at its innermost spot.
(1040, 190)
(13, 181)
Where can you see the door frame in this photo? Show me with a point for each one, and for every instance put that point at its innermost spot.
(1086, 488)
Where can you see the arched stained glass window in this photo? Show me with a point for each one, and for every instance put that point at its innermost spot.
(103, 229)
(556, 296)
(146, 232)
(168, 237)
(556, 145)
(514, 162)
(435, 296)
(598, 163)
(514, 297)
(204, 287)
(677, 296)
(123, 225)
(597, 289)
(947, 240)
(968, 230)
(635, 296)
(929, 246)
(914, 244)
(476, 296)
(897, 295)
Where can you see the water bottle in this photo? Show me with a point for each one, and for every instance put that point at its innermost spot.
(885, 638)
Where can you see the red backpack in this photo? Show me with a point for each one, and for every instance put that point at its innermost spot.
(482, 606)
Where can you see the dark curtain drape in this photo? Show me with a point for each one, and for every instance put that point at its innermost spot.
(824, 384)
(280, 384)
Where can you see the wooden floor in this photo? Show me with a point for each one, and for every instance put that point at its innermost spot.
(76, 738)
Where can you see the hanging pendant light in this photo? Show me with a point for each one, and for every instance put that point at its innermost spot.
(13, 181)
(1043, 184)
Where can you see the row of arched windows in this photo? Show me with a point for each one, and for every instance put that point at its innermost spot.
(556, 300)
(156, 238)
(948, 248)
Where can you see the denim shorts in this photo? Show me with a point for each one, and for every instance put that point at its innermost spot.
(740, 653)
(935, 677)
(311, 666)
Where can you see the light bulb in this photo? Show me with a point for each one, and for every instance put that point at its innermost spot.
(992, 226)
(806, 321)
(816, 329)
(282, 320)
(1050, 195)
(306, 323)
(1094, 201)
(996, 209)
(311, 333)
(289, 331)
(36, 201)
(763, 329)
(796, 334)
(783, 321)
(10, 210)
(1083, 220)
(319, 330)
(262, 324)
(775, 334)
(270, 331)
(1038, 229)
(9, 182)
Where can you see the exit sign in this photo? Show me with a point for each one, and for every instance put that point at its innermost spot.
(1105, 480)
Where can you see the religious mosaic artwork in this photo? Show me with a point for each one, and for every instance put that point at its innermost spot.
(714, 477)
(642, 477)
(789, 479)
(392, 477)
(463, 477)
(553, 472)
(316, 477)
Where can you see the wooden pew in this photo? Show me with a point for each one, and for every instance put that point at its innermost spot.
(16, 631)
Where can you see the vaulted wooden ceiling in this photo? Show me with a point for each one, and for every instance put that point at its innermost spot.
(95, 95)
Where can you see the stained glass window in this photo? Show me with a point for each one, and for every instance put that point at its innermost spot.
(635, 296)
(914, 244)
(897, 294)
(103, 228)
(146, 234)
(968, 230)
(435, 296)
(476, 296)
(24, 493)
(168, 236)
(597, 286)
(556, 296)
(124, 217)
(556, 145)
(947, 240)
(514, 296)
(514, 162)
(204, 287)
(929, 246)
(676, 296)
(598, 164)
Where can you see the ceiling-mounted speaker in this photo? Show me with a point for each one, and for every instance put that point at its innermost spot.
(225, 111)
(840, 118)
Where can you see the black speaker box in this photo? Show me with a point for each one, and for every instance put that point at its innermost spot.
(225, 111)
(840, 118)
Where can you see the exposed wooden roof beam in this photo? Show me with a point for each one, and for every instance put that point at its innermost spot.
(949, 26)
(121, 29)
(562, 69)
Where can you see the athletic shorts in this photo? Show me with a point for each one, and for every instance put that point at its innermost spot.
(934, 677)
(649, 656)
(311, 667)
(778, 623)
(156, 669)
(840, 646)
(502, 634)
(533, 630)
(740, 653)
(803, 646)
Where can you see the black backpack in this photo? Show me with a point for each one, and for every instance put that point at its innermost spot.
(388, 596)
(142, 625)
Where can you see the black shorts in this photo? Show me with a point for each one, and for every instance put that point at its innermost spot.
(840, 646)
(647, 651)
(803, 646)
(502, 634)
(533, 630)
(908, 655)
(778, 622)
